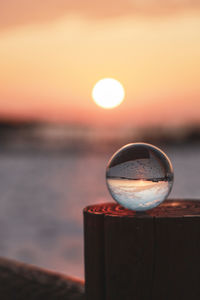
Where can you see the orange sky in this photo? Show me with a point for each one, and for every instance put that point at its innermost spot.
(52, 53)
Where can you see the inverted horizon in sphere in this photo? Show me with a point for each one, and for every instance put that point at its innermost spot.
(139, 194)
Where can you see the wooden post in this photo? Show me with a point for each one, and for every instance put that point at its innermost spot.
(143, 256)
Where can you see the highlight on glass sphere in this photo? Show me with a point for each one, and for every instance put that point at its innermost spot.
(139, 176)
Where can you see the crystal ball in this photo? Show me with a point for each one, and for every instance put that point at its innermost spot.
(139, 176)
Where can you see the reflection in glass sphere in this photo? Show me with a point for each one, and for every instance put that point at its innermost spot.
(139, 176)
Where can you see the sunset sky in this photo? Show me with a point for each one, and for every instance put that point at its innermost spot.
(53, 52)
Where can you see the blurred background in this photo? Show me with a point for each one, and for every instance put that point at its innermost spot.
(55, 141)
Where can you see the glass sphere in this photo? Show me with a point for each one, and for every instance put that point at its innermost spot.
(139, 176)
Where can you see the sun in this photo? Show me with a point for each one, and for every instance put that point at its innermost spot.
(108, 93)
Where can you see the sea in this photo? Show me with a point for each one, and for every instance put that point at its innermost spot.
(43, 195)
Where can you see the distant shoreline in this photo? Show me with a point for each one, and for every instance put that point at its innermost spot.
(75, 138)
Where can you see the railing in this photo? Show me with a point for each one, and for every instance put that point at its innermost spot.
(19, 281)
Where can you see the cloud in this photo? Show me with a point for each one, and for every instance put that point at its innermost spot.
(22, 12)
